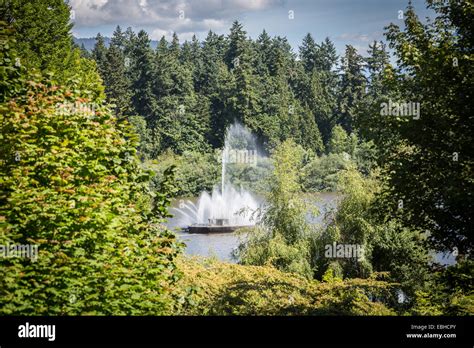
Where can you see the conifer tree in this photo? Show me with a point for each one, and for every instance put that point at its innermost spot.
(352, 87)
(99, 53)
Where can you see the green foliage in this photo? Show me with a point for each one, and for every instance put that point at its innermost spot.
(71, 185)
(322, 173)
(281, 235)
(149, 141)
(451, 292)
(339, 141)
(195, 171)
(428, 161)
(189, 94)
(352, 88)
(387, 245)
(43, 42)
(250, 177)
(214, 288)
(116, 81)
(260, 248)
(42, 29)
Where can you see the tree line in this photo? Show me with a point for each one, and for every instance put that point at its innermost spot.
(188, 93)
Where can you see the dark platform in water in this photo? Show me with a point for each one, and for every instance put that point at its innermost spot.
(212, 229)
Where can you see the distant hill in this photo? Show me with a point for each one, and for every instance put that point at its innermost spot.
(90, 42)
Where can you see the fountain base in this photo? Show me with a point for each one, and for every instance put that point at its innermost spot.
(214, 226)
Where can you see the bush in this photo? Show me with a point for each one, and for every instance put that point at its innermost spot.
(321, 174)
(195, 171)
(281, 235)
(71, 185)
(210, 287)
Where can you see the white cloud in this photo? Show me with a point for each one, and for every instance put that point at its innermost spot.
(163, 16)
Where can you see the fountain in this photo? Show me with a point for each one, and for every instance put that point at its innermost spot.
(226, 208)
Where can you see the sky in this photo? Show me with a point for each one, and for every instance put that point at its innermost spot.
(355, 22)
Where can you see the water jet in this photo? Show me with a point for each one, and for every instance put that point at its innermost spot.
(226, 208)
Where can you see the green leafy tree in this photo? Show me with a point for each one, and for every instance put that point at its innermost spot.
(429, 167)
(339, 141)
(71, 186)
(386, 246)
(281, 238)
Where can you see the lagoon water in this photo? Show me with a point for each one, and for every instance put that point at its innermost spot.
(221, 245)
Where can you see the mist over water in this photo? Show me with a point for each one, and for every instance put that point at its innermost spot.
(234, 206)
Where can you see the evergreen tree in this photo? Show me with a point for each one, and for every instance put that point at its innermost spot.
(179, 118)
(42, 29)
(264, 46)
(118, 38)
(308, 52)
(116, 82)
(243, 96)
(142, 69)
(352, 87)
(376, 64)
(99, 53)
(213, 80)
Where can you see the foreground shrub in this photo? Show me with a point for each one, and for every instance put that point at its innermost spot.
(71, 186)
(210, 287)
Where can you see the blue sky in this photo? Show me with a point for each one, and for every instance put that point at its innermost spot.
(355, 22)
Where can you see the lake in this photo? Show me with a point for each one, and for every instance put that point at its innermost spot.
(221, 245)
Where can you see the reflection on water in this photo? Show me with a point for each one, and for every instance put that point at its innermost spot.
(219, 245)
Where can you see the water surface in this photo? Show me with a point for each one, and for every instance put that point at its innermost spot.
(221, 245)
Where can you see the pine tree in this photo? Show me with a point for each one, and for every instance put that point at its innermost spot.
(174, 48)
(117, 85)
(264, 45)
(376, 63)
(142, 69)
(42, 29)
(118, 38)
(179, 118)
(308, 53)
(243, 97)
(99, 53)
(352, 87)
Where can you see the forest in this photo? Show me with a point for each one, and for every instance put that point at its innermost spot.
(95, 145)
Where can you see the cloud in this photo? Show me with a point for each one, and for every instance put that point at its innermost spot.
(160, 17)
(361, 38)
